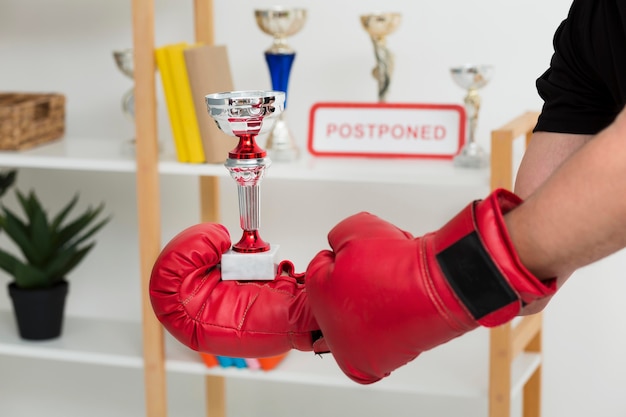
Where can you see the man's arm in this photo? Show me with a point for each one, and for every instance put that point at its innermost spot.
(578, 215)
(545, 153)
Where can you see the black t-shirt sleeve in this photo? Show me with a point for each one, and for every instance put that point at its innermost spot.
(576, 96)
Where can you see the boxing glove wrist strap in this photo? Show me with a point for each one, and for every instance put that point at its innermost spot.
(475, 254)
(474, 277)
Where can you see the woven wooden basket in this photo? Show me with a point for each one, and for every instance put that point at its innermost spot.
(30, 119)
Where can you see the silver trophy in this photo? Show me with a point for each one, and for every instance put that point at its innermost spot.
(247, 114)
(379, 25)
(124, 60)
(280, 23)
(472, 78)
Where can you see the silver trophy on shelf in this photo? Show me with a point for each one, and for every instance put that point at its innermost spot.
(472, 78)
(379, 26)
(247, 114)
(124, 60)
(280, 23)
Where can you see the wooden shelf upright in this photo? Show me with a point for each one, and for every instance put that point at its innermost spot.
(508, 341)
(148, 199)
(215, 386)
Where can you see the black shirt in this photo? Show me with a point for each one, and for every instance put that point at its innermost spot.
(585, 87)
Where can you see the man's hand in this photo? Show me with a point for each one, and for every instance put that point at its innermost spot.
(231, 318)
(381, 296)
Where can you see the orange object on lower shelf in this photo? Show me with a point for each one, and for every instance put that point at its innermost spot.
(272, 362)
(209, 360)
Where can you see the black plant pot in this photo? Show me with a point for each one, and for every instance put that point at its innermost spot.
(39, 312)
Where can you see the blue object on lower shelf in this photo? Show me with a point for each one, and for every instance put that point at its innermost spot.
(227, 362)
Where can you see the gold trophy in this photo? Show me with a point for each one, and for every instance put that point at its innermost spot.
(379, 25)
(472, 78)
(280, 23)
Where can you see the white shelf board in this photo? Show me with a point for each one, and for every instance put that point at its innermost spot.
(72, 154)
(106, 155)
(84, 340)
(334, 169)
(457, 369)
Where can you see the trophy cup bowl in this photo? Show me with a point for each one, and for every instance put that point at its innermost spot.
(472, 78)
(124, 60)
(246, 114)
(280, 23)
(239, 113)
(378, 25)
(381, 24)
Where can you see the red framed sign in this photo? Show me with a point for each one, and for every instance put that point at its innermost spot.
(386, 130)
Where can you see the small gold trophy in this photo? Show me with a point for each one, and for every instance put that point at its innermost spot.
(379, 25)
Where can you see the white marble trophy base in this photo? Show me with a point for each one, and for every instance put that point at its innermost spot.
(250, 266)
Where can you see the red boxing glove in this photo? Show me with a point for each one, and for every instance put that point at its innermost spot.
(382, 297)
(248, 319)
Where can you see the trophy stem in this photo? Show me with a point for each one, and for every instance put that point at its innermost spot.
(472, 155)
(250, 203)
(124, 61)
(248, 174)
(472, 105)
(128, 104)
(280, 65)
(247, 147)
(250, 219)
(384, 67)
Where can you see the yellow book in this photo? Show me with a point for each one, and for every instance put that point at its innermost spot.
(167, 80)
(186, 107)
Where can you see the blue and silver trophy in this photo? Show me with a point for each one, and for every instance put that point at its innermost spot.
(280, 23)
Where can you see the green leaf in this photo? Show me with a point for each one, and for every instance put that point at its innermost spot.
(41, 236)
(6, 181)
(25, 276)
(18, 231)
(79, 239)
(28, 276)
(67, 261)
(8, 262)
(60, 217)
(72, 230)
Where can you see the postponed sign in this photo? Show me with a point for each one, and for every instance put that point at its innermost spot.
(386, 130)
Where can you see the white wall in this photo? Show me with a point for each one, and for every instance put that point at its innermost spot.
(65, 45)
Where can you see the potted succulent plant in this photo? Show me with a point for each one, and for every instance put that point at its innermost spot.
(50, 248)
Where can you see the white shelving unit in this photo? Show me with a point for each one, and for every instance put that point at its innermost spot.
(456, 370)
